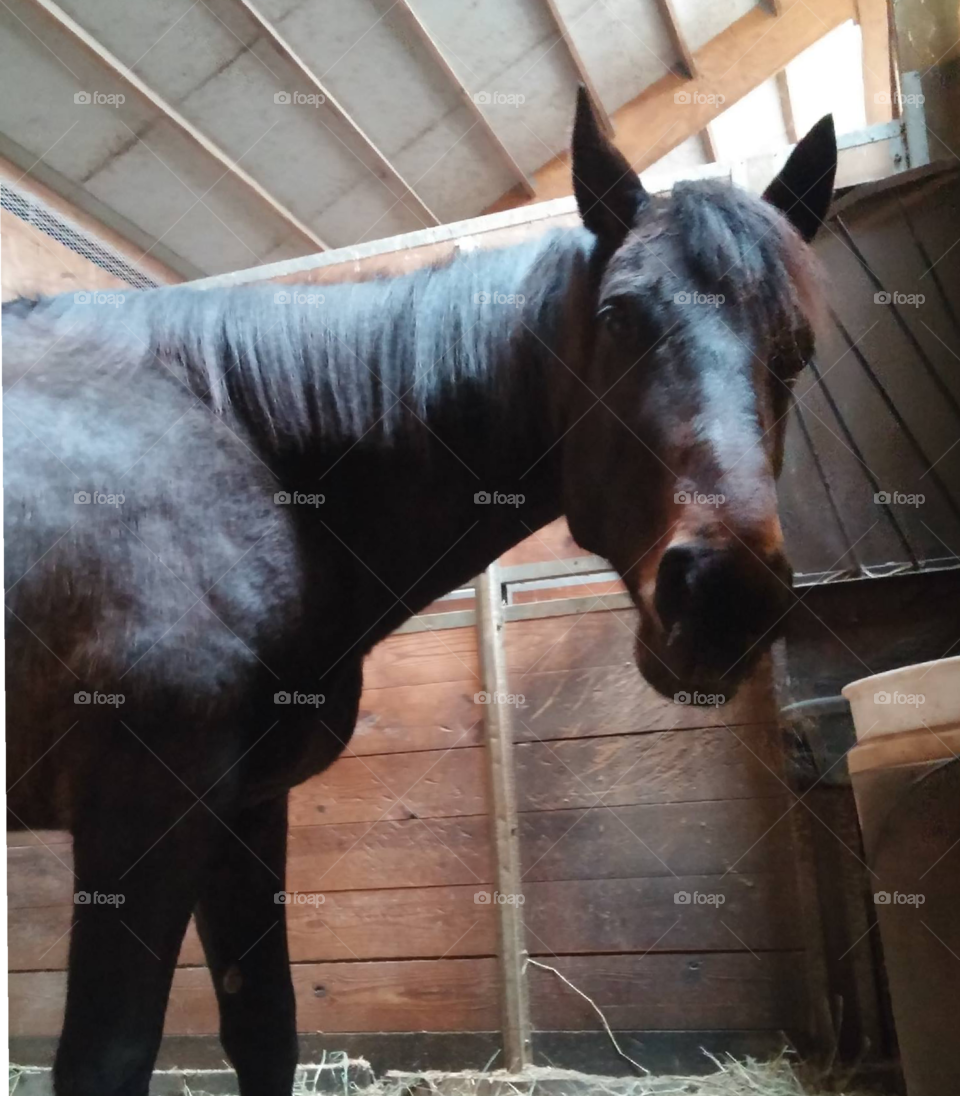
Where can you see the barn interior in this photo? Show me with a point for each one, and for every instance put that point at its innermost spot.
(591, 888)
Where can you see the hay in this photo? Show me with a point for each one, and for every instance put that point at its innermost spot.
(732, 1078)
(341, 1076)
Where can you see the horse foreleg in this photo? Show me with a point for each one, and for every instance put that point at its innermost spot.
(142, 841)
(243, 928)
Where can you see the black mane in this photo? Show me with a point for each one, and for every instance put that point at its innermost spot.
(343, 361)
(745, 248)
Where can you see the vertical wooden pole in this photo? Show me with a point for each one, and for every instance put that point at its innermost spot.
(514, 1002)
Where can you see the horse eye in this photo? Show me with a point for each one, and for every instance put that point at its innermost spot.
(615, 316)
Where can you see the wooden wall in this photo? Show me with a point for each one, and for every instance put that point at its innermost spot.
(628, 800)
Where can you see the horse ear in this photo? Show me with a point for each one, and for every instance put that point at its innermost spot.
(804, 188)
(609, 193)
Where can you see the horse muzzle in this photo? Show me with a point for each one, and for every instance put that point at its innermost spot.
(712, 612)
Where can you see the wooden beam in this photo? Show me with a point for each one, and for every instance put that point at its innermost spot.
(709, 143)
(515, 1006)
(786, 107)
(337, 107)
(563, 30)
(687, 64)
(874, 19)
(129, 77)
(754, 49)
(426, 39)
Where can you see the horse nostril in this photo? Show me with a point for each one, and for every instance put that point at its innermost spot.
(674, 587)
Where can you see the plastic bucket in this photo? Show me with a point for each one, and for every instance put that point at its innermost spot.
(905, 771)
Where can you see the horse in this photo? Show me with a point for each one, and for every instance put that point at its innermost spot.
(217, 499)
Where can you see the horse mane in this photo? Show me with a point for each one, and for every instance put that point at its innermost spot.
(347, 360)
(745, 248)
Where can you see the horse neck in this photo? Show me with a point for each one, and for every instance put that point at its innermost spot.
(492, 426)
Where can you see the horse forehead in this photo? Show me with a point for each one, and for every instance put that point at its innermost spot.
(651, 251)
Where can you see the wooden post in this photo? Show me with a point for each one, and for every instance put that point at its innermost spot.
(514, 1003)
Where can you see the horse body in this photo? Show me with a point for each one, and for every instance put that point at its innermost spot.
(218, 502)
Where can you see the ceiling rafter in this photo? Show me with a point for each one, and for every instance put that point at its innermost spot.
(687, 65)
(563, 30)
(330, 100)
(754, 49)
(427, 40)
(129, 77)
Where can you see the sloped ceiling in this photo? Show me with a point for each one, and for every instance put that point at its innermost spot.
(308, 179)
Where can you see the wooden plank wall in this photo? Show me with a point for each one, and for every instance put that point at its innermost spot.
(395, 837)
(627, 801)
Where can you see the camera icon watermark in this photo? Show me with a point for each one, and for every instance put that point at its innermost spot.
(885, 898)
(295, 699)
(698, 498)
(98, 699)
(499, 98)
(714, 299)
(298, 498)
(299, 898)
(898, 498)
(688, 98)
(697, 898)
(113, 300)
(898, 699)
(96, 898)
(516, 700)
(299, 99)
(498, 498)
(298, 296)
(99, 98)
(515, 300)
(495, 898)
(700, 700)
(98, 498)
(913, 300)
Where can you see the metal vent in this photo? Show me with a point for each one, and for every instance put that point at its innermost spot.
(30, 209)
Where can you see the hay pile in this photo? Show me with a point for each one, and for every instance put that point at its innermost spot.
(342, 1077)
(732, 1078)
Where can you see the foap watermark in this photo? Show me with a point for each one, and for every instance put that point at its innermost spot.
(299, 898)
(99, 98)
(701, 700)
(499, 99)
(885, 898)
(98, 699)
(898, 699)
(297, 296)
(299, 99)
(911, 99)
(298, 498)
(514, 300)
(306, 700)
(495, 898)
(914, 300)
(498, 498)
(687, 98)
(714, 299)
(98, 498)
(517, 700)
(899, 498)
(698, 498)
(696, 898)
(95, 898)
(94, 296)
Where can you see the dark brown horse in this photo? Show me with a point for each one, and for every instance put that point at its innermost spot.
(213, 498)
